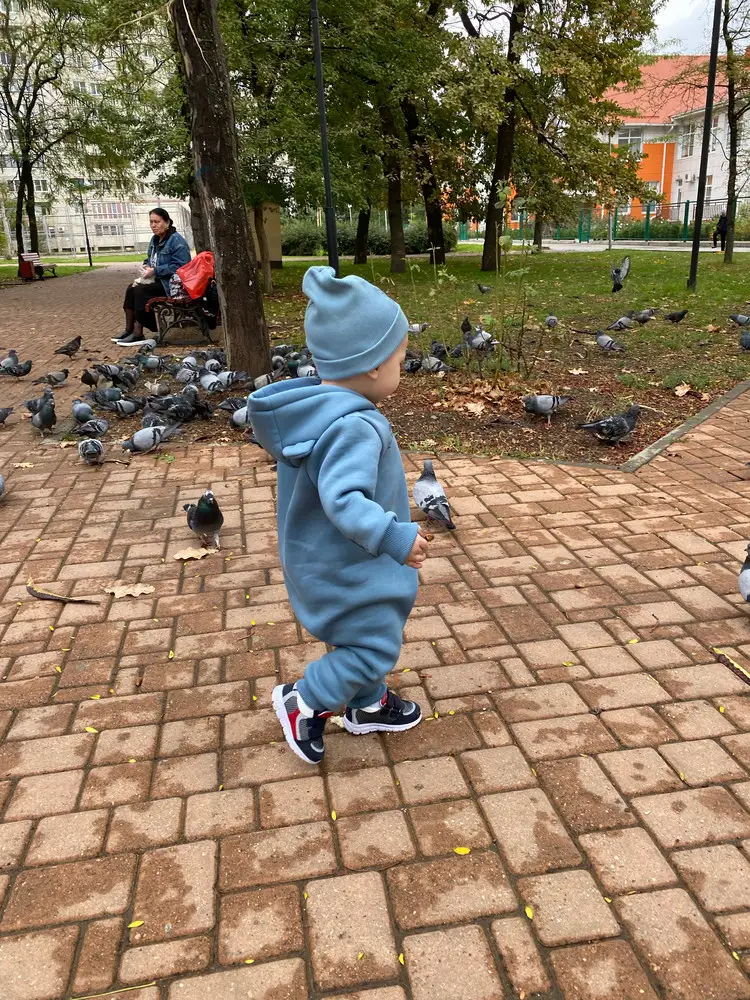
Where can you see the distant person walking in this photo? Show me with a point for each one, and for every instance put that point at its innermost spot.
(721, 231)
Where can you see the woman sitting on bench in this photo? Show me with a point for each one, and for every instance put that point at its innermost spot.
(166, 252)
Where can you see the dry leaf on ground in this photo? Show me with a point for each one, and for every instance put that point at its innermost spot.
(577, 371)
(23, 465)
(129, 589)
(476, 408)
(683, 389)
(193, 553)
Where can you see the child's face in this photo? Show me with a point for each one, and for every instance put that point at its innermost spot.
(384, 380)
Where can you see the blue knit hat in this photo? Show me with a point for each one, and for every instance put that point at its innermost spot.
(351, 326)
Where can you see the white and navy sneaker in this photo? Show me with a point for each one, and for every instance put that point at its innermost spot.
(303, 733)
(393, 716)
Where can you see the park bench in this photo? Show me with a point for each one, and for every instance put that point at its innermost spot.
(180, 312)
(30, 266)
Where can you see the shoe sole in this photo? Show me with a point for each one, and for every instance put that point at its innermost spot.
(283, 716)
(359, 729)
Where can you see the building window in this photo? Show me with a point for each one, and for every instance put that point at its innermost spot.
(709, 185)
(41, 185)
(109, 209)
(632, 138)
(655, 187)
(96, 64)
(687, 140)
(95, 89)
(80, 86)
(8, 160)
(141, 187)
(5, 59)
(109, 230)
(714, 132)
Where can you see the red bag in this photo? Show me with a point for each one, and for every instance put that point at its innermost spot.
(196, 274)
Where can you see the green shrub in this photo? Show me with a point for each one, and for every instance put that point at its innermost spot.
(301, 238)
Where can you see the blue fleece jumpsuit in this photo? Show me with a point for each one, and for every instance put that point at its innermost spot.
(344, 533)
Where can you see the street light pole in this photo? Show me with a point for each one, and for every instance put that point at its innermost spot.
(333, 252)
(85, 227)
(711, 83)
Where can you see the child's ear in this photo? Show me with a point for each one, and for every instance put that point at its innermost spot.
(373, 374)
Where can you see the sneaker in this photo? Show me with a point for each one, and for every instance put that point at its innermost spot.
(303, 734)
(128, 338)
(393, 716)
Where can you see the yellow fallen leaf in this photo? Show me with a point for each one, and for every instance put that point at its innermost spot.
(130, 590)
(406, 670)
(249, 961)
(184, 554)
(131, 760)
(52, 628)
(90, 729)
(607, 899)
(136, 923)
(631, 641)
(252, 622)
(529, 911)
(533, 771)
(255, 697)
(333, 815)
(682, 776)
(270, 623)
(360, 956)
(58, 669)
(568, 663)
(171, 654)
(304, 895)
(722, 709)
(221, 788)
(401, 958)
(462, 850)
(451, 712)
(436, 714)
(94, 697)
(735, 956)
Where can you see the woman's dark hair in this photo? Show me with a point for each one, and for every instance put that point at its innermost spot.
(164, 214)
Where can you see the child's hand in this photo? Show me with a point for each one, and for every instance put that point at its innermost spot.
(418, 552)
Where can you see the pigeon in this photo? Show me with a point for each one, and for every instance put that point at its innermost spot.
(623, 323)
(213, 365)
(614, 429)
(148, 438)
(307, 370)
(34, 405)
(432, 364)
(104, 396)
(232, 403)
(92, 428)
(743, 579)
(544, 405)
(644, 316)
(484, 289)
(92, 379)
(465, 327)
(740, 320)
(205, 519)
(17, 371)
(53, 378)
(71, 348)
(150, 362)
(430, 497)
(5, 412)
(91, 451)
(415, 328)
(211, 382)
(438, 350)
(676, 317)
(151, 419)
(619, 274)
(186, 374)
(458, 351)
(607, 343)
(479, 340)
(82, 411)
(157, 388)
(259, 383)
(110, 372)
(45, 419)
(551, 321)
(412, 365)
(240, 417)
(745, 340)
(125, 407)
(11, 361)
(2, 485)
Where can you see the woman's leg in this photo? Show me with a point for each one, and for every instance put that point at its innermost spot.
(129, 310)
(143, 294)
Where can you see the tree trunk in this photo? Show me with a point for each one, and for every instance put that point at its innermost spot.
(427, 181)
(217, 176)
(392, 172)
(734, 123)
(198, 221)
(360, 240)
(260, 232)
(19, 215)
(31, 210)
(506, 137)
(538, 225)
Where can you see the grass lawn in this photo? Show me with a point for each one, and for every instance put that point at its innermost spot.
(700, 358)
(10, 271)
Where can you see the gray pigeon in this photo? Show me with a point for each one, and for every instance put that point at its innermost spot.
(544, 405)
(484, 289)
(614, 429)
(91, 451)
(623, 323)
(607, 343)
(307, 370)
(551, 321)
(676, 317)
(11, 361)
(740, 319)
(92, 428)
(45, 419)
(211, 382)
(430, 497)
(157, 388)
(413, 365)
(82, 411)
(124, 407)
(644, 316)
(416, 328)
(53, 378)
(205, 518)
(619, 274)
(745, 340)
(148, 438)
(240, 417)
(34, 405)
(228, 379)
(432, 364)
(17, 371)
(743, 580)
(5, 412)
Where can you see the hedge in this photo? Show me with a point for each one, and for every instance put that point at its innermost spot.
(302, 238)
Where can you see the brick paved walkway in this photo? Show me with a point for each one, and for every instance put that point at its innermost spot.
(585, 744)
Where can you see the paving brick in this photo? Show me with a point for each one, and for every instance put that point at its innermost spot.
(46, 720)
(196, 736)
(636, 772)
(58, 753)
(464, 678)
(360, 791)
(701, 681)
(116, 784)
(345, 754)
(13, 837)
(548, 739)
(583, 795)
(250, 728)
(697, 816)
(97, 962)
(120, 712)
(739, 747)
(260, 924)
(284, 980)
(736, 708)
(638, 727)
(144, 824)
(719, 876)
(696, 720)
(604, 969)
(283, 803)
(686, 958)
(209, 699)
(529, 832)
(36, 966)
(336, 941)
(500, 769)
(68, 837)
(568, 908)
(216, 814)
(257, 765)
(541, 702)
(658, 654)
(622, 692)
(430, 780)
(167, 958)
(175, 892)
(79, 891)
(607, 660)
(586, 635)
(491, 729)
(270, 856)
(185, 775)
(520, 955)
(451, 734)
(702, 762)
(445, 825)
(44, 795)
(735, 929)
(374, 840)
(627, 861)
(451, 965)
(115, 746)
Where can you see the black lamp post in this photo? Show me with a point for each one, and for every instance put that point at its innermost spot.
(333, 252)
(81, 184)
(710, 85)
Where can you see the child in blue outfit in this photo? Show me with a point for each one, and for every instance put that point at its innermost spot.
(349, 551)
